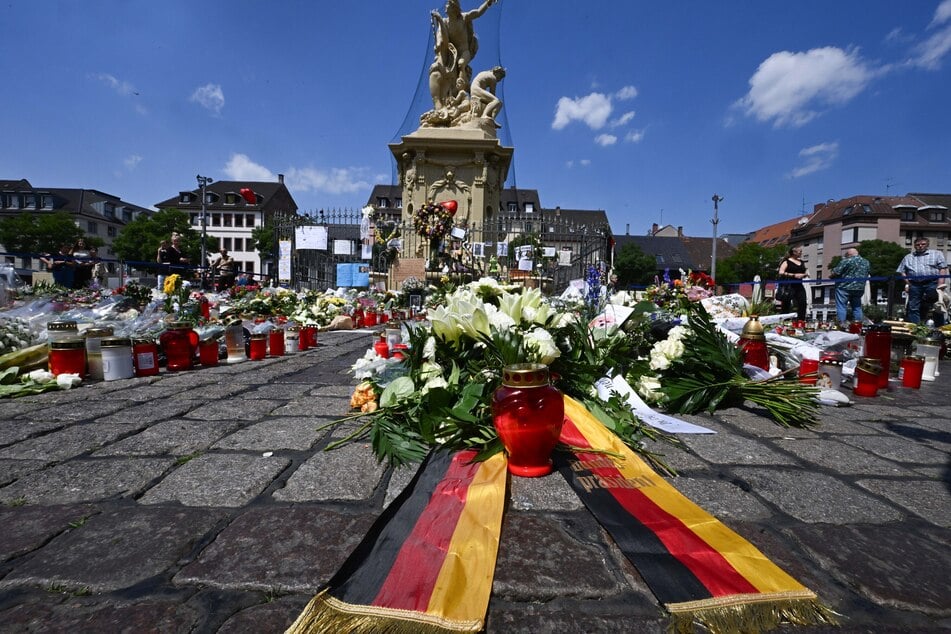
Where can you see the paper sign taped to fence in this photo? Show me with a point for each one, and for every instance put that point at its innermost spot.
(458, 232)
(524, 265)
(284, 260)
(351, 275)
(343, 247)
(478, 250)
(502, 249)
(564, 257)
(548, 252)
(366, 252)
(313, 237)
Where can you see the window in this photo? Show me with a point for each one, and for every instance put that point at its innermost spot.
(529, 208)
(226, 220)
(186, 198)
(92, 227)
(195, 220)
(936, 215)
(908, 237)
(511, 206)
(399, 203)
(47, 204)
(239, 220)
(847, 211)
(30, 201)
(13, 201)
(908, 215)
(211, 197)
(866, 209)
(239, 244)
(109, 210)
(231, 199)
(27, 262)
(249, 267)
(382, 201)
(226, 243)
(249, 220)
(215, 220)
(111, 231)
(126, 214)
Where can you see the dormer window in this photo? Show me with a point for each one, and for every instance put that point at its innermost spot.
(908, 215)
(231, 198)
(211, 197)
(511, 206)
(529, 208)
(936, 216)
(186, 198)
(109, 210)
(847, 211)
(382, 201)
(399, 203)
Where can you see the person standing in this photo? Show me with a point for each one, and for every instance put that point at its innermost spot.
(792, 271)
(224, 267)
(851, 273)
(921, 269)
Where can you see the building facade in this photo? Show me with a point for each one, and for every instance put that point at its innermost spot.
(96, 213)
(232, 218)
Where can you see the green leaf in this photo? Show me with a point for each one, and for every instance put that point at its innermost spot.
(398, 390)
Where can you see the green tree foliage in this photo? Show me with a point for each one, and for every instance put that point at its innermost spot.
(749, 260)
(40, 232)
(883, 258)
(264, 239)
(633, 267)
(139, 240)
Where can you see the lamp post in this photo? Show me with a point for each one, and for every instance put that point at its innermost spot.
(203, 182)
(716, 220)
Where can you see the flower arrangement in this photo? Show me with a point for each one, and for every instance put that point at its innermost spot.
(433, 221)
(675, 295)
(134, 293)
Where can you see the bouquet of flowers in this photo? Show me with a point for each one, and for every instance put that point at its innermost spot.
(135, 294)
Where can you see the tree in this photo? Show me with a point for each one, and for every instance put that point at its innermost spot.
(883, 258)
(138, 241)
(264, 239)
(633, 267)
(41, 232)
(749, 260)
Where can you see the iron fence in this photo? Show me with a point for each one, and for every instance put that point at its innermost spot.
(535, 249)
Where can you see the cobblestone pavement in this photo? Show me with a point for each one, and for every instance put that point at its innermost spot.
(203, 502)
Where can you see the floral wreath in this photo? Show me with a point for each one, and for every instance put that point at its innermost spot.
(434, 220)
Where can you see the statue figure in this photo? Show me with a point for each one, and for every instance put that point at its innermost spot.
(484, 101)
(450, 73)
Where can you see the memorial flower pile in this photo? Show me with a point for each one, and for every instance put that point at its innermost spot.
(433, 221)
(440, 393)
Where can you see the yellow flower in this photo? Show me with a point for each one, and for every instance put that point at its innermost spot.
(171, 283)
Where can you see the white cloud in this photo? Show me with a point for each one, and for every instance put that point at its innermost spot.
(929, 53)
(624, 119)
(790, 88)
(816, 158)
(121, 87)
(628, 92)
(581, 162)
(210, 97)
(593, 110)
(338, 180)
(634, 136)
(241, 168)
(942, 14)
(605, 139)
(132, 161)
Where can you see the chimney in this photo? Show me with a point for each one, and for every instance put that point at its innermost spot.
(280, 179)
(654, 228)
(627, 229)
(680, 231)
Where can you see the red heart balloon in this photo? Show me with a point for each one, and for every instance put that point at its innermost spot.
(248, 194)
(450, 205)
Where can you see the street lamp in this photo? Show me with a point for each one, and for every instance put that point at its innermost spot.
(203, 182)
(716, 220)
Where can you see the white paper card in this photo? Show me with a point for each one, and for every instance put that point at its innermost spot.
(343, 247)
(653, 418)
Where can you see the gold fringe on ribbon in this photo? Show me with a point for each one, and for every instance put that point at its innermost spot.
(749, 618)
(327, 615)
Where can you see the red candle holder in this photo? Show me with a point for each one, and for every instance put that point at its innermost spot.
(528, 413)
(179, 342)
(911, 371)
(381, 347)
(878, 345)
(68, 356)
(258, 347)
(867, 371)
(276, 342)
(208, 352)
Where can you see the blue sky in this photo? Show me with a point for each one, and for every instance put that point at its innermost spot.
(644, 109)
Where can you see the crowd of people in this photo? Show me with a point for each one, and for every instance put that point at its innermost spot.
(924, 271)
(76, 266)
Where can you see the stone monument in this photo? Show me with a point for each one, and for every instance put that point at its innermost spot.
(455, 153)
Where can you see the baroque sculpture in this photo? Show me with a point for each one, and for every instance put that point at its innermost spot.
(459, 100)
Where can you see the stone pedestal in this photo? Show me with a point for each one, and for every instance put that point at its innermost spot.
(468, 165)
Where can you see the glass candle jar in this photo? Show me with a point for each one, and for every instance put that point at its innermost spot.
(528, 413)
(258, 349)
(94, 338)
(68, 356)
(292, 340)
(878, 345)
(753, 343)
(369, 319)
(117, 358)
(179, 345)
(911, 371)
(208, 352)
(867, 370)
(234, 340)
(145, 357)
(382, 348)
(275, 341)
(930, 352)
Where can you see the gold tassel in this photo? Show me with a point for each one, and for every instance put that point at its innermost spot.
(751, 618)
(327, 615)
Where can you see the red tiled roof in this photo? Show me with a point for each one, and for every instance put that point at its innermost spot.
(778, 233)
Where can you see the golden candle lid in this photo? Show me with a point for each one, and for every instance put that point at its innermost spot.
(525, 375)
(753, 329)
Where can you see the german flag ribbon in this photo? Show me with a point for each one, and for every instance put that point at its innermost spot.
(427, 563)
(701, 571)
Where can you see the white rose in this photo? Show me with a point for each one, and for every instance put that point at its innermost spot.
(541, 343)
(66, 381)
(41, 376)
